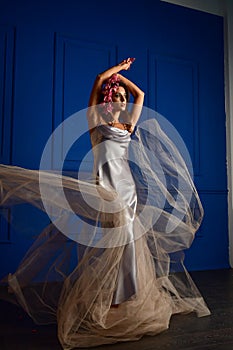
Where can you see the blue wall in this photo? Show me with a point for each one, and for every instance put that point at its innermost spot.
(50, 54)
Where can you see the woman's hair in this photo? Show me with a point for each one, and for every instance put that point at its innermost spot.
(120, 83)
(105, 102)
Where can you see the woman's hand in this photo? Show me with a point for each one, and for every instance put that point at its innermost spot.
(125, 64)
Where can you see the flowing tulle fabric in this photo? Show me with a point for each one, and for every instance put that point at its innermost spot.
(70, 275)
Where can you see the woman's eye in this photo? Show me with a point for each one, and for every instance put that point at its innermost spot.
(117, 95)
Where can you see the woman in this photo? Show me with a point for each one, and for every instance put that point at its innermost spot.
(132, 285)
(130, 278)
(114, 97)
(110, 126)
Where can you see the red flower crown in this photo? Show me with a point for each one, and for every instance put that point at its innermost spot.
(111, 85)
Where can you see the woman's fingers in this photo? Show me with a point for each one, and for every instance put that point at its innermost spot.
(131, 59)
(128, 60)
(126, 63)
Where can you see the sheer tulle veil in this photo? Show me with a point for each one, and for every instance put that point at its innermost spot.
(70, 273)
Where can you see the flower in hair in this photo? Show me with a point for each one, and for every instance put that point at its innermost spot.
(111, 86)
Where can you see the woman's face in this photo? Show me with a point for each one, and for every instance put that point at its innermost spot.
(120, 99)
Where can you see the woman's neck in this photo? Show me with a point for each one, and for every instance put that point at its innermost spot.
(116, 116)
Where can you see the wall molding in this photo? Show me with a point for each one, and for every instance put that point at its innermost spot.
(154, 60)
(67, 50)
(7, 50)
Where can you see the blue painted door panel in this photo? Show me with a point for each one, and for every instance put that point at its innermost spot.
(50, 54)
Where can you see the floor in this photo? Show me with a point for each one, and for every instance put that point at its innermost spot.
(17, 331)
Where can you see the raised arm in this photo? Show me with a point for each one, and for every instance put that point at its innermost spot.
(102, 77)
(138, 99)
(93, 116)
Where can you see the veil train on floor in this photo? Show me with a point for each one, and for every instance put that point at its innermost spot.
(79, 263)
